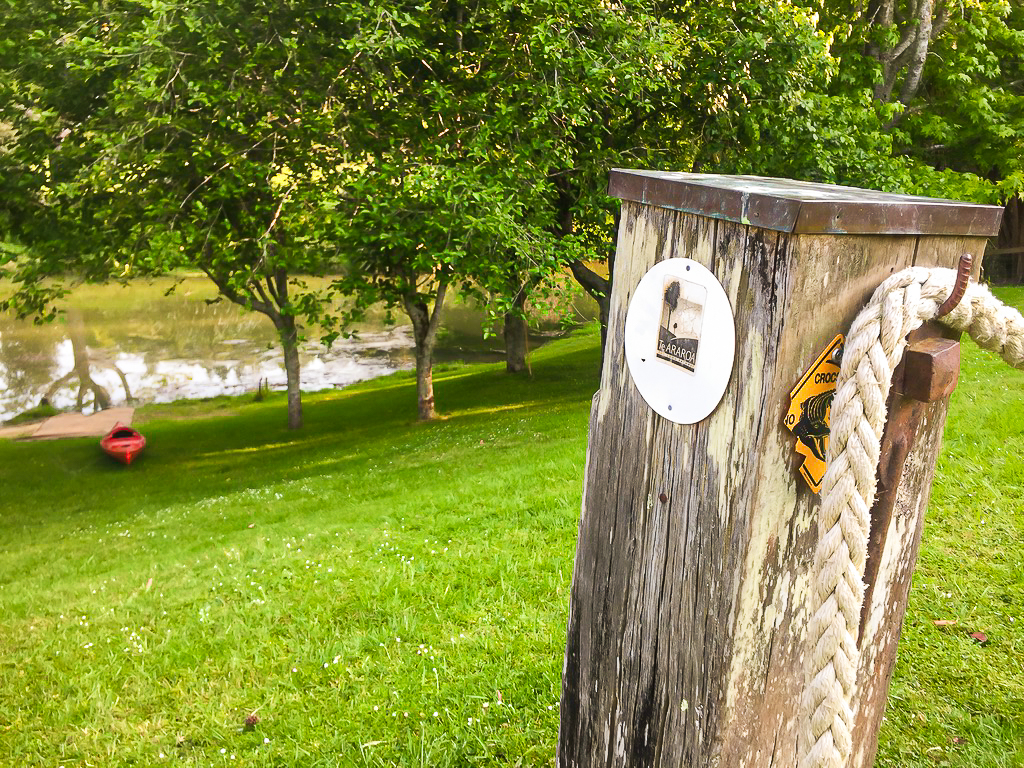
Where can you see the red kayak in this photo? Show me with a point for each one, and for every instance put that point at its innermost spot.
(123, 443)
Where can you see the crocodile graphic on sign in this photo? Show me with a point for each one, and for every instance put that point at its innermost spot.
(810, 410)
(682, 313)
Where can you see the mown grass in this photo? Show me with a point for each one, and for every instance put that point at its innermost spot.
(377, 592)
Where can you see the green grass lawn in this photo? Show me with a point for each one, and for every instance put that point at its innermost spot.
(377, 592)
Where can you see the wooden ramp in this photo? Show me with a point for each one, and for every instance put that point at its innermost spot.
(72, 425)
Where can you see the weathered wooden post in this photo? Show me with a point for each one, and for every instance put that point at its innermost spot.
(688, 606)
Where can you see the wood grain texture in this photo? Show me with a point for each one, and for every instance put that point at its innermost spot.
(687, 615)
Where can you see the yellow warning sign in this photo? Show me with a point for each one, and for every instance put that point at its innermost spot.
(810, 405)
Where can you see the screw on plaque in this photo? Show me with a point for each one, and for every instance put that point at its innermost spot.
(963, 277)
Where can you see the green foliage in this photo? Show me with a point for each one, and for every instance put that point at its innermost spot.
(959, 134)
(499, 122)
(406, 145)
(149, 134)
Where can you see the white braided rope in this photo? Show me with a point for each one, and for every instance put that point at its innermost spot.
(874, 346)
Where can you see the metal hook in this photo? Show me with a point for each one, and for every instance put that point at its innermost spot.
(963, 277)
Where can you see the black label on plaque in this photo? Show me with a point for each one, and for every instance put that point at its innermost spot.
(682, 314)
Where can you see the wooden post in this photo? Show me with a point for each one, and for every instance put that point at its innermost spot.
(688, 605)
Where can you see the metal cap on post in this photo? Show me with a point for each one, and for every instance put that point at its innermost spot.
(688, 605)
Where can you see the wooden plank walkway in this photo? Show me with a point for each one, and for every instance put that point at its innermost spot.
(71, 425)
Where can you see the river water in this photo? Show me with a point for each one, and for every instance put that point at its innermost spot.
(118, 343)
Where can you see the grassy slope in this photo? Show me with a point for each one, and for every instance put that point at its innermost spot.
(348, 583)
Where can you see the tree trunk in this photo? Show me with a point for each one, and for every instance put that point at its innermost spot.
(516, 333)
(600, 289)
(270, 298)
(603, 306)
(425, 323)
(1011, 237)
(905, 54)
(425, 410)
(290, 343)
(76, 332)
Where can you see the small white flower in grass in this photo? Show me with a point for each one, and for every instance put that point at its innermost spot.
(294, 669)
(325, 665)
(375, 708)
(406, 714)
(436, 714)
(223, 751)
(266, 740)
(486, 705)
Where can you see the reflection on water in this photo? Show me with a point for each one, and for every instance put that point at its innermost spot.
(117, 345)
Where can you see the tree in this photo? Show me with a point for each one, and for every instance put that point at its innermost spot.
(148, 136)
(949, 79)
(947, 84)
(463, 150)
(566, 91)
(421, 226)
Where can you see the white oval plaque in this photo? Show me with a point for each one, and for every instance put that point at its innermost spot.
(680, 340)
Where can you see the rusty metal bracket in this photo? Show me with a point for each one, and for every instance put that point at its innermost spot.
(963, 277)
(929, 371)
